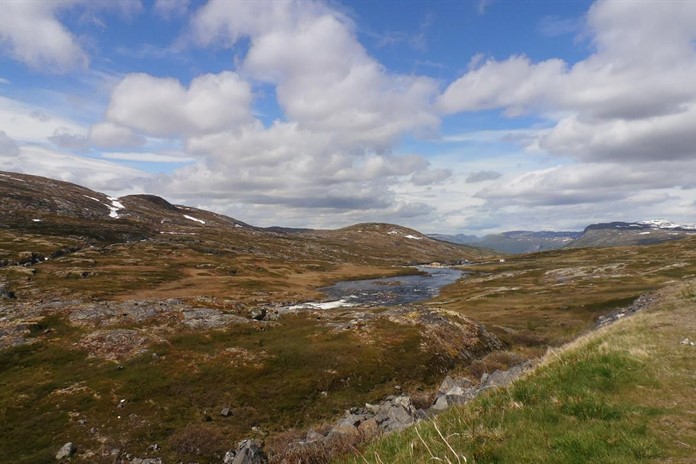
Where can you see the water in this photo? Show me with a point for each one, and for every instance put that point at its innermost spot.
(391, 291)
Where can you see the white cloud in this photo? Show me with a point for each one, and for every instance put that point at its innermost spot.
(149, 157)
(324, 78)
(8, 147)
(636, 72)
(64, 138)
(31, 32)
(590, 183)
(662, 137)
(431, 176)
(481, 176)
(30, 123)
(294, 167)
(163, 107)
(109, 135)
(95, 174)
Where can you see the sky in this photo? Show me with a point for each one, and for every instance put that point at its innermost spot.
(472, 117)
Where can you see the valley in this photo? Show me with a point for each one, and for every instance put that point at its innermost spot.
(163, 332)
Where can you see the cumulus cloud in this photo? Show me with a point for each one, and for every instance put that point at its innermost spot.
(31, 32)
(324, 78)
(481, 176)
(635, 71)
(667, 137)
(109, 135)
(163, 107)
(8, 147)
(342, 114)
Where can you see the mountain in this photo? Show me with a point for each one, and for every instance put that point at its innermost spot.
(515, 242)
(462, 239)
(46, 217)
(632, 233)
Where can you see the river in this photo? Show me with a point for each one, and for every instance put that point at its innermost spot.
(387, 291)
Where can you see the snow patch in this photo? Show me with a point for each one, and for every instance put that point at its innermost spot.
(393, 232)
(413, 237)
(115, 207)
(193, 219)
(644, 233)
(36, 220)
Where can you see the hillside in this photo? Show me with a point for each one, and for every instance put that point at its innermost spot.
(205, 251)
(623, 394)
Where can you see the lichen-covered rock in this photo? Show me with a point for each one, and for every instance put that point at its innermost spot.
(66, 451)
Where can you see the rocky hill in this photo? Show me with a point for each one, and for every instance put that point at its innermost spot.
(52, 208)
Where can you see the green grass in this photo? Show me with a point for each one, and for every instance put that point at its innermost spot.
(604, 399)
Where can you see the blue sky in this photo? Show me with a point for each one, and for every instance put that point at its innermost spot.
(471, 116)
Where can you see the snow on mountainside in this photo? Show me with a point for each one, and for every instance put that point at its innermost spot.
(665, 224)
(633, 233)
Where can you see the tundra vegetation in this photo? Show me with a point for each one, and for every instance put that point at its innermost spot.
(154, 335)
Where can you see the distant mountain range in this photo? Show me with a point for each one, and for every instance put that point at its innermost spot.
(515, 242)
(632, 233)
(599, 235)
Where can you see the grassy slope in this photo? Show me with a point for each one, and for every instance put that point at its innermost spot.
(623, 394)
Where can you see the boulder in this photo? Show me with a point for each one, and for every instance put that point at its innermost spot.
(66, 451)
(502, 378)
(453, 391)
(451, 382)
(247, 452)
